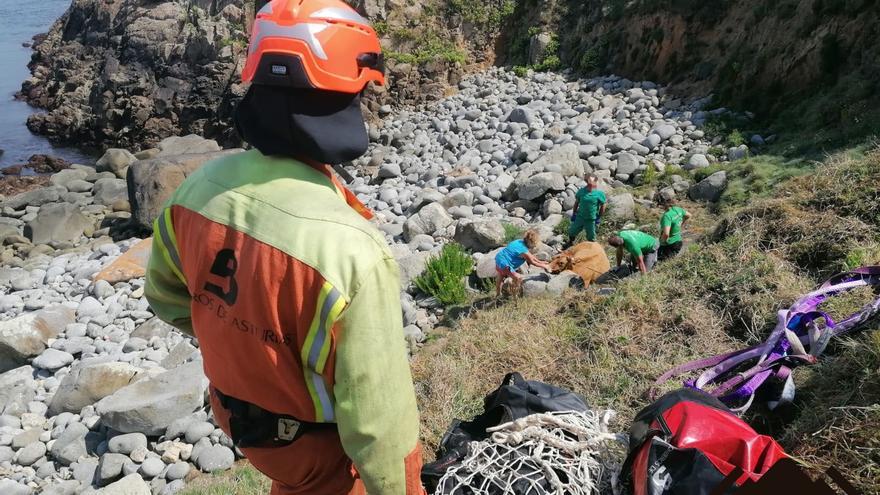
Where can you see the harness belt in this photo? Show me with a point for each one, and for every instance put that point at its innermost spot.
(251, 426)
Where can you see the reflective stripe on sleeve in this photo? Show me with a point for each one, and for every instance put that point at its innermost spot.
(316, 350)
(165, 228)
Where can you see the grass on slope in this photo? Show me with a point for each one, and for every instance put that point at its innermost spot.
(243, 479)
(720, 295)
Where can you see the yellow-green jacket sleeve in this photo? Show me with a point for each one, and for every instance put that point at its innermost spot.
(375, 400)
(167, 293)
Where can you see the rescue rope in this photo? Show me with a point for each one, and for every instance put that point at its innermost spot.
(553, 453)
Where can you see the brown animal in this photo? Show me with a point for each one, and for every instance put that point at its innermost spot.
(587, 259)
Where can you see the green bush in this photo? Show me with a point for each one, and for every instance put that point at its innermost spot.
(444, 275)
(650, 176)
(512, 232)
(736, 138)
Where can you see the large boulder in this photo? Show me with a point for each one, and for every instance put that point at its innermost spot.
(109, 191)
(151, 182)
(57, 222)
(70, 446)
(152, 404)
(480, 236)
(566, 157)
(17, 389)
(67, 176)
(411, 266)
(115, 160)
(187, 145)
(522, 115)
(697, 160)
(627, 164)
(27, 336)
(133, 484)
(36, 197)
(621, 207)
(429, 220)
(90, 381)
(486, 265)
(710, 188)
(540, 184)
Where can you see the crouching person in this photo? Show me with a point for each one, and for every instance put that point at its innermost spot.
(513, 256)
(641, 247)
(671, 224)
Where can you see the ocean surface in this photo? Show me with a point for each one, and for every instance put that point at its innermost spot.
(18, 23)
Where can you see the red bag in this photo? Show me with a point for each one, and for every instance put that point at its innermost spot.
(688, 442)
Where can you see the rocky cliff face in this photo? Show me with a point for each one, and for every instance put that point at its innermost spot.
(768, 56)
(132, 72)
(128, 72)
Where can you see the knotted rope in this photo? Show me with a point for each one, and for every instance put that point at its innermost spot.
(567, 453)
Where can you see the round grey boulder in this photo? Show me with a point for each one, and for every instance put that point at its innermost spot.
(126, 444)
(31, 454)
(52, 359)
(177, 471)
(198, 431)
(216, 458)
(152, 467)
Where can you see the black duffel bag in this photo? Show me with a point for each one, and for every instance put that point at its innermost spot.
(515, 398)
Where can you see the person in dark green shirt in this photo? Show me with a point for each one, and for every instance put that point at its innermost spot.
(671, 224)
(641, 247)
(589, 206)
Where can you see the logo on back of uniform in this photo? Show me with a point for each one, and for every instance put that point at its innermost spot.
(224, 266)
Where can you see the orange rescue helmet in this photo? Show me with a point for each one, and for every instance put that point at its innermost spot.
(319, 44)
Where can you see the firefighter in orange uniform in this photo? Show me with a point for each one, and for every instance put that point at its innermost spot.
(273, 265)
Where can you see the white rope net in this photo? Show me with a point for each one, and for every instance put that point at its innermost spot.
(557, 453)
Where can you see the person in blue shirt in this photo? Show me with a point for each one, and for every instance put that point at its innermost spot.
(513, 256)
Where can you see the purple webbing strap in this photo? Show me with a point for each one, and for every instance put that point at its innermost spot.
(773, 351)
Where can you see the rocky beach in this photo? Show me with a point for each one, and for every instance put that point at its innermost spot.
(97, 394)
(480, 134)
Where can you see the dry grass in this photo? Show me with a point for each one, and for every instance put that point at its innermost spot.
(608, 349)
(838, 412)
(243, 479)
(721, 294)
(453, 374)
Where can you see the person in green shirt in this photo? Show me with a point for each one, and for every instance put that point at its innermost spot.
(641, 247)
(671, 224)
(589, 206)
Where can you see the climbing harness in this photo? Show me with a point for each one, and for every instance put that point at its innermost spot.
(800, 337)
(548, 453)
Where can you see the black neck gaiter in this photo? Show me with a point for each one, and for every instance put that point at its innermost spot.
(325, 126)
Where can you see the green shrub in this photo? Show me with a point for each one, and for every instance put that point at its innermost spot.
(563, 226)
(650, 176)
(512, 232)
(520, 70)
(717, 151)
(736, 138)
(444, 275)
